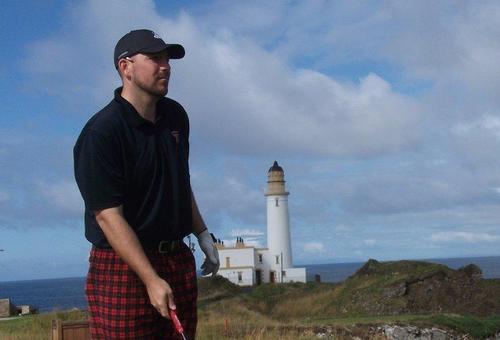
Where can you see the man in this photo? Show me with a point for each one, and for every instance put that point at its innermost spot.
(131, 166)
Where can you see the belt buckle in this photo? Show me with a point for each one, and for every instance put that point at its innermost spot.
(167, 247)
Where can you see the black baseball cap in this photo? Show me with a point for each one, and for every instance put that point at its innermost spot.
(145, 41)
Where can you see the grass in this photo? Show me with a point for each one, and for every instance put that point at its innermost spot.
(477, 327)
(376, 295)
(225, 326)
(37, 326)
(238, 322)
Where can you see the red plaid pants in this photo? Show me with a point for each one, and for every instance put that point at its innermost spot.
(119, 303)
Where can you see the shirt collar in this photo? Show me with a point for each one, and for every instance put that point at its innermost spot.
(131, 114)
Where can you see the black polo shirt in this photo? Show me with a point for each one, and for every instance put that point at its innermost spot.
(121, 158)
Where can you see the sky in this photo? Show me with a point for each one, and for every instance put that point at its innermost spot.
(384, 115)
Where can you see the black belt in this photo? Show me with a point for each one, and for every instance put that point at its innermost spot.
(162, 247)
(165, 247)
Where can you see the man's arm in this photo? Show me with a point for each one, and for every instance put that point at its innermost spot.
(198, 223)
(207, 245)
(126, 244)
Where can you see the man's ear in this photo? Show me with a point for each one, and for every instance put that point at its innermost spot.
(124, 68)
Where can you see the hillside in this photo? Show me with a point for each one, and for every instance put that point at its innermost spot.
(401, 287)
(393, 300)
(423, 294)
(420, 287)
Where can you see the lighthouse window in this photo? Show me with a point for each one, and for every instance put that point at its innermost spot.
(277, 259)
(276, 201)
(240, 276)
(260, 258)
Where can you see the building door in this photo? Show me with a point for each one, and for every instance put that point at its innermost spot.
(272, 276)
(258, 277)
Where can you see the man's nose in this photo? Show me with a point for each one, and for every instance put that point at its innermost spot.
(165, 63)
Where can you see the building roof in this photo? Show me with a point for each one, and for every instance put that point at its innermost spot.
(223, 247)
(236, 267)
(275, 167)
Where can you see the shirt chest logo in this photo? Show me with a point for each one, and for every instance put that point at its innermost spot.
(175, 134)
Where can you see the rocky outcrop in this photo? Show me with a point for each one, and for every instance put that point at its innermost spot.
(389, 332)
(412, 332)
(403, 287)
(461, 291)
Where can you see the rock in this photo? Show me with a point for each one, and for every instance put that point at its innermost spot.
(495, 337)
(395, 291)
(400, 333)
(437, 334)
(370, 267)
(472, 271)
(413, 333)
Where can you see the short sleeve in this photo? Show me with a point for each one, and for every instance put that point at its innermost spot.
(184, 121)
(99, 170)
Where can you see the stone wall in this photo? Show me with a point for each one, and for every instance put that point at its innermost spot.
(6, 308)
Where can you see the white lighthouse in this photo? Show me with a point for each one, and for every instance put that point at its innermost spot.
(247, 265)
(278, 221)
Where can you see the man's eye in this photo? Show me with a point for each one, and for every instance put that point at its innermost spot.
(158, 58)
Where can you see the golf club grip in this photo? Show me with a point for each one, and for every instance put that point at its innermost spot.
(175, 320)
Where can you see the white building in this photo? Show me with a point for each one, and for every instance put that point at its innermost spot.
(246, 265)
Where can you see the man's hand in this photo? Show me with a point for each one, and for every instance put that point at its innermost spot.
(161, 296)
(207, 245)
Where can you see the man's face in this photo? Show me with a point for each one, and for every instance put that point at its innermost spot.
(150, 73)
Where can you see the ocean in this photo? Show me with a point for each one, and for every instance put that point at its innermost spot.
(67, 293)
(337, 272)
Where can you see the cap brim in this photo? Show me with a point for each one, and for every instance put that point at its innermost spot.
(175, 51)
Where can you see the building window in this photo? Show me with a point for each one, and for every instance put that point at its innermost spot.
(228, 264)
(283, 273)
(276, 202)
(240, 276)
(277, 259)
(260, 258)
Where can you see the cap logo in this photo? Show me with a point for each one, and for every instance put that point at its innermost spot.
(156, 36)
(122, 55)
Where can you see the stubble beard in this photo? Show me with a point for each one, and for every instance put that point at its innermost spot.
(153, 90)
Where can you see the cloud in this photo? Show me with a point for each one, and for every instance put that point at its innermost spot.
(314, 247)
(416, 187)
(390, 124)
(256, 95)
(224, 198)
(37, 179)
(487, 123)
(474, 140)
(246, 232)
(62, 195)
(84, 46)
(4, 197)
(370, 242)
(314, 113)
(464, 236)
(448, 43)
(248, 241)
(251, 237)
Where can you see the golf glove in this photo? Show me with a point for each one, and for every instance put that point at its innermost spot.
(207, 245)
